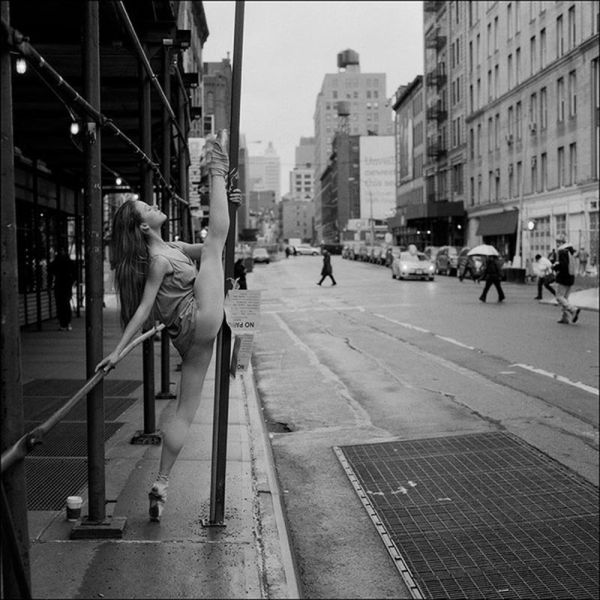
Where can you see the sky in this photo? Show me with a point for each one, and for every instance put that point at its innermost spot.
(288, 49)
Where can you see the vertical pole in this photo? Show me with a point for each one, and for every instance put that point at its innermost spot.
(11, 391)
(518, 260)
(94, 292)
(181, 210)
(223, 354)
(165, 345)
(147, 196)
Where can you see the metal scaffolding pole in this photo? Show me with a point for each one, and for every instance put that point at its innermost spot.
(11, 390)
(94, 292)
(165, 344)
(223, 354)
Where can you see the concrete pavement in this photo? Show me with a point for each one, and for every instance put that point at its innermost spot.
(178, 558)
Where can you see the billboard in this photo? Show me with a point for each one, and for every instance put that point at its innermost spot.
(377, 176)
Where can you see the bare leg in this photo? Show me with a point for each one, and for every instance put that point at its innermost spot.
(209, 295)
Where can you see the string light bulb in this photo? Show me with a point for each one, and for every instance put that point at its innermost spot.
(74, 128)
(118, 180)
(21, 66)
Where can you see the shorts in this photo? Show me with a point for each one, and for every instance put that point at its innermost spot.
(184, 338)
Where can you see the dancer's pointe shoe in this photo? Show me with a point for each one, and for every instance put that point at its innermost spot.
(217, 158)
(158, 499)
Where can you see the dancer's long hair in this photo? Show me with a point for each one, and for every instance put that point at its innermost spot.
(129, 257)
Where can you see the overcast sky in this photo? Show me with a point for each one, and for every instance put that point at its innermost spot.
(290, 46)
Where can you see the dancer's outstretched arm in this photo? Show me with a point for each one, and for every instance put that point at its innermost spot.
(156, 272)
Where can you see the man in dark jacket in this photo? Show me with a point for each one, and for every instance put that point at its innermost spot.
(62, 276)
(565, 278)
(492, 274)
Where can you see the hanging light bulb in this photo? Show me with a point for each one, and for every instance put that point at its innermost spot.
(118, 180)
(21, 66)
(74, 128)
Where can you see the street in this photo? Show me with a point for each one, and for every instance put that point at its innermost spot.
(374, 359)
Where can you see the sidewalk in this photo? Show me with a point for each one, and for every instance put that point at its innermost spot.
(585, 299)
(177, 558)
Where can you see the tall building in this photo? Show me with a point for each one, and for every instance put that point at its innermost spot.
(296, 218)
(217, 97)
(264, 172)
(515, 127)
(364, 99)
(302, 176)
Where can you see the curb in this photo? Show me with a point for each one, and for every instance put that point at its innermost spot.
(270, 501)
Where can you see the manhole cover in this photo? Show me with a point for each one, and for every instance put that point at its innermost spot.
(479, 516)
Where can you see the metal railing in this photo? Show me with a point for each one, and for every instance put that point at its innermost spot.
(26, 443)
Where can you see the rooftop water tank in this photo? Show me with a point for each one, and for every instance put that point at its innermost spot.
(347, 57)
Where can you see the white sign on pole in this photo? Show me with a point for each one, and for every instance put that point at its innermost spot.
(242, 311)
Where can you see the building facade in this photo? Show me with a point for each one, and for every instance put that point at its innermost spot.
(264, 172)
(296, 218)
(531, 72)
(302, 177)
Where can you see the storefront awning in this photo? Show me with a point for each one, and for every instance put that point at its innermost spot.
(498, 224)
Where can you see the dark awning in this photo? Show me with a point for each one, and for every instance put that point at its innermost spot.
(498, 224)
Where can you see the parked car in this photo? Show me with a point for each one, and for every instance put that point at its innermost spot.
(412, 266)
(376, 256)
(391, 253)
(260, 255)
(307, 250)
(362, 254)
(431, 252)
(446, 260)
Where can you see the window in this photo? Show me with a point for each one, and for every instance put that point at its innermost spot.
(560, 99)
(511, 181)
(471, 143)
(543, 57)
(561, 166)
(471, 99)
(470, 57)
(478, 93)
(490, 131)
(519, 121)
(496, 34)
(572, 28)
(489, 80)
(534, 176)
(532, 56)
(489, 39)
(518, 66)
(533, 109)
(519, 176)
(560, 40)
(479, 140)
(511, 120)
(509, 22)
(490, 185)
(496, 80)
(572, 93)
(572, 164)
(472, 190)
(497, 131)
(544, 171)
(543, 108)
(517, 17)
(509, 68)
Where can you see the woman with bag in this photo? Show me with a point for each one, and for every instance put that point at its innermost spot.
(545, 275)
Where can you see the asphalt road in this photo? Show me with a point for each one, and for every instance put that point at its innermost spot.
(374, 359)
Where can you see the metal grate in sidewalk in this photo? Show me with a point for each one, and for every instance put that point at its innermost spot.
(479, 516)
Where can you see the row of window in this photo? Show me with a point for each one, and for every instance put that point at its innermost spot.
(566, 175)
(355, 94)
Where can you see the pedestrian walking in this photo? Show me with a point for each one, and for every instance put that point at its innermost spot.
(154, 277)
(327, 270)
(542, 267)
(583, 256)
(492, 274)
(565, 278)
(62, 274)
(239, 274)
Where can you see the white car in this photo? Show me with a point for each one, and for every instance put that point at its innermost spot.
(412, 266)
(305, 249)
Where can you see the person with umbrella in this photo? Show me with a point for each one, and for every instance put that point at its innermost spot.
(491, 273)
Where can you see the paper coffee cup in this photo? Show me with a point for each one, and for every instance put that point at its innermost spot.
(74, 508)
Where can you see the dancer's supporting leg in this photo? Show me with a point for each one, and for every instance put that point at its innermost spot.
(209, 295)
